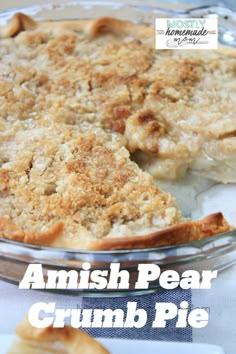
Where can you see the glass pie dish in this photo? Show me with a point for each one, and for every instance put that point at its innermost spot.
(217, 252)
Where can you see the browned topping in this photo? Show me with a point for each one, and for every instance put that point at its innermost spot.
(148, 118)
(69, 188)
(118, 126)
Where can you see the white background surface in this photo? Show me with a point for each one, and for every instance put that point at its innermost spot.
(15, 304)
(220, 302)
(139, 347)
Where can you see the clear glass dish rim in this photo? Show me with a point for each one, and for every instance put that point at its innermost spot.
(204, 248)
(33, 251)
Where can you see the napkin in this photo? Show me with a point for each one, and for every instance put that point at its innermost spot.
(147, 302)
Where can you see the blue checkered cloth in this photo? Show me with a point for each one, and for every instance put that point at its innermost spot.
(147, 302)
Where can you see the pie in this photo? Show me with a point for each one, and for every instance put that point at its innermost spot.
(51, 340)
(79, 100)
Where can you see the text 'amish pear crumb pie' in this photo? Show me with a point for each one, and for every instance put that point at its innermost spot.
(66, 340)
(76, 99)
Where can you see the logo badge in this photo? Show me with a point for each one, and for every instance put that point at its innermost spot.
(186, 33)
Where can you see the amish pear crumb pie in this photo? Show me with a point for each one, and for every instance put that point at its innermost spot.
(76, 99)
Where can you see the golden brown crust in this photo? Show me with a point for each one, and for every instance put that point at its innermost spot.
(12, 232)
(19, 22)
(59, 340)
(179, 234)
(92, 28)
(187, 232)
